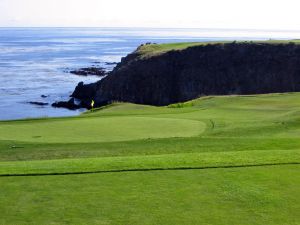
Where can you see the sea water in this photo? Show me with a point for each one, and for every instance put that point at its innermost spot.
(35, 62)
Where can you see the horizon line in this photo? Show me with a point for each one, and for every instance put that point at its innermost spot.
(181, 28)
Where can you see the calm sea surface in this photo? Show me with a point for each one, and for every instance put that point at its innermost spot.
(34, 61)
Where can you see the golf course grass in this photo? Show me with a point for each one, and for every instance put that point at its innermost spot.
(213, 160)
(112, 129)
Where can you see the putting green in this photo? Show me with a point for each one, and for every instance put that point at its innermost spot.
(105, 129)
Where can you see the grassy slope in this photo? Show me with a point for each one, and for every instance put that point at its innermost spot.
(252, 196)
(211, 132)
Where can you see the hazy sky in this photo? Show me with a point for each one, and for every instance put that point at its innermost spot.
(256, 14)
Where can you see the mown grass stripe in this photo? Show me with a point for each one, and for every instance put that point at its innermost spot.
(150, 169)
(153, 162)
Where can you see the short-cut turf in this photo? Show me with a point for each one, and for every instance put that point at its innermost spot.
(213, 160)
(244, 196)
(100, 129)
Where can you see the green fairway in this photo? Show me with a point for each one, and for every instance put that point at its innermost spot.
(156, 162)
(213, 160)
(244, 196)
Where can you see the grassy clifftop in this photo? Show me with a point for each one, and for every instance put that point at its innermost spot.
(148, 50)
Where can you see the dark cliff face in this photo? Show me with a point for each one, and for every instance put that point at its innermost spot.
(213, 69)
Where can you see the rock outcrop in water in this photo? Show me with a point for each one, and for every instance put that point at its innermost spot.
(90, 71)
(68, 105)
(211, 69)
(39, 103)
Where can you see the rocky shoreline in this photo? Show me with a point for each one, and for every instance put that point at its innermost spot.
(182, 75)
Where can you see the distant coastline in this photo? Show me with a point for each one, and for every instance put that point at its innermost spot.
(36, 59)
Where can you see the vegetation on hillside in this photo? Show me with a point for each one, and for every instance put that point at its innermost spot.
(152, 49)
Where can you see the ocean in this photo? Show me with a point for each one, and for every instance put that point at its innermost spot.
(34, 62)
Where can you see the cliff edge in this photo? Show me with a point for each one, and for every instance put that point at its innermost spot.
(165, 74)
